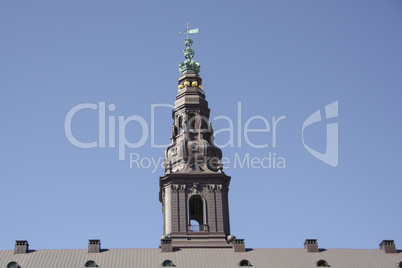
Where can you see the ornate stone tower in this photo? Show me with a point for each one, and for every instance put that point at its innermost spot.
(194, 190)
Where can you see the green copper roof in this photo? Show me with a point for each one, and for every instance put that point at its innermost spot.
(189, 65)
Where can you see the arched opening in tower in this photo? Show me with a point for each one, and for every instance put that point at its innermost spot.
(180, 124)
(196, 213)
(191, 121)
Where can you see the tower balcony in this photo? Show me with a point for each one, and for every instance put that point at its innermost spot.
(198, 228)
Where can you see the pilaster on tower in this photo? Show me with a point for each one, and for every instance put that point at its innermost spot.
(194, 189)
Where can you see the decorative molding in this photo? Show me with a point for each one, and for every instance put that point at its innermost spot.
(178, 187)
(168, 167)
(195, 147)
(174, 151)
(220, 166)
(175, 187)
(218, 188)
(211, 187)
(194, 188)
(182, 188)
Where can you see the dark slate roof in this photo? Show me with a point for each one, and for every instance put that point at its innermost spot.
(189, 258)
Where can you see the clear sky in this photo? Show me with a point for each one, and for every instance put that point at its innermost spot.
(270, 58)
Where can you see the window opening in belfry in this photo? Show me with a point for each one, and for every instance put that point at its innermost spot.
(191, 121)
(204, 122)
(180, 124)
(196, 214)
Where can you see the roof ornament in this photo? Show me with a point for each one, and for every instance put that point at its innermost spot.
(189, 31)
(189, 65)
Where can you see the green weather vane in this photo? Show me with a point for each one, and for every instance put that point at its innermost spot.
(189, 31)
(189, 64)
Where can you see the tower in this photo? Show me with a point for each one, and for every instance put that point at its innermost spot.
(194, 189)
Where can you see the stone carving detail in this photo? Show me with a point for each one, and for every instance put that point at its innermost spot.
(220, 166)
(175, 187)
(168, 167)
(218, 188)
(194, 189)
(211, 187)
(174, 151)
(195, 147)
(182, 188)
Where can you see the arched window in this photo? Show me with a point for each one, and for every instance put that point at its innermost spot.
(400, 264)
(168, 263)
(322, 263)
(245, 263)
(13, 264)
(90, 264)
(180, 124)
(191, 121)
(203, 121)
(196, 205)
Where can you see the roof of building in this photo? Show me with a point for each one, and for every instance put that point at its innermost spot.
(200, 257)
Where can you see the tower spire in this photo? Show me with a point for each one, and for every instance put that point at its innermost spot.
(194, 189)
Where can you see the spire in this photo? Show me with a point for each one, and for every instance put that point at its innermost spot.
(192, 148)
(189, 65)
(194, 188)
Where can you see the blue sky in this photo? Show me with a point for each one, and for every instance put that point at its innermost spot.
(275, 58)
